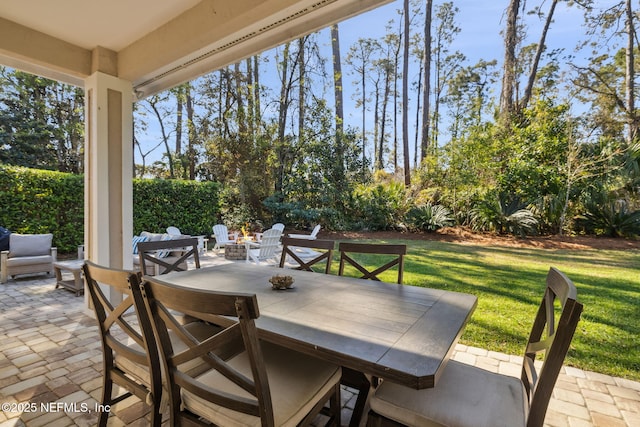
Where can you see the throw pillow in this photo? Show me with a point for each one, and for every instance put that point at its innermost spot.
(136, 240)
(163, 253)
(21, 245)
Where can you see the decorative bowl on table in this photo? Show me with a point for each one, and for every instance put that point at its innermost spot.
(280, 282)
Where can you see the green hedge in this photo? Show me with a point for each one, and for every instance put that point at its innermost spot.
(192, 206)
(41, 201)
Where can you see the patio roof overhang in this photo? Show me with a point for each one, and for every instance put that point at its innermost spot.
(154, 44)
(123, 50)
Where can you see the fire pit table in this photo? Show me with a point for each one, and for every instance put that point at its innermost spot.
(235, 251)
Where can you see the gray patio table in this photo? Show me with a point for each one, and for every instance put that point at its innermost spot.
(399, 333)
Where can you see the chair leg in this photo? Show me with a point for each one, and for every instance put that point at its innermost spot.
(359, 381)
(358, 409)
(335, 405)
(107, 389)
(156, 413)
(376, 420)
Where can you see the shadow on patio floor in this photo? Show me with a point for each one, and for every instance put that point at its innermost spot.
(51, 368)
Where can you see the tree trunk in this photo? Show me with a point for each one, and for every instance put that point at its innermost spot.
(426, 109)
(250, 103)
(179, 107)
(283, 109)
(191, 150)
(337, 78)
(256, 92)
(536, 61)
(396, 59)
(301, 87)
(220, 100)
(376, 117)
(632, 118)
(364, 121)
(385, 101)
(165, 139)
(240, 95)
(509, 66)
(405, 97)
(416, 136)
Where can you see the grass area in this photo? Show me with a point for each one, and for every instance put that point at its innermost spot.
(509, 283)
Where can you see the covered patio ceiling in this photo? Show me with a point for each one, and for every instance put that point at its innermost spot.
(155, 44)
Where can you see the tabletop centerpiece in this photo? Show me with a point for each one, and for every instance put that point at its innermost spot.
(281, 282)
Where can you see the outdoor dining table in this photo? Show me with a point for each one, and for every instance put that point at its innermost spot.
(399, 333)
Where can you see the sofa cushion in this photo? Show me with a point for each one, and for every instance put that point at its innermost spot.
(29, 260)
(21, 245)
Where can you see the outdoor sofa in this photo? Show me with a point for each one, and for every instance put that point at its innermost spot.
(27, 254)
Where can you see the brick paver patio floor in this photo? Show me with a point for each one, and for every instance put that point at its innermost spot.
(51, 369)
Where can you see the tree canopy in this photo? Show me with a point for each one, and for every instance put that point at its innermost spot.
(529, 140)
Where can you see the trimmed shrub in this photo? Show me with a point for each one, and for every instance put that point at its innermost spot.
(192, 206)
(42, 201)
(380, 206)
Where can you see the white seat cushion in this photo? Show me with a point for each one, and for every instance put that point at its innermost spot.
(463, 396)
(29, 260)
(296, 382)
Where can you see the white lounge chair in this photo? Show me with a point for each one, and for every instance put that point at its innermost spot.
(223, 237)
(311, 236)
(267, 250)
(173, 231)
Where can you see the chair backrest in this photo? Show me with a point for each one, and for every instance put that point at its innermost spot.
(156, 254)
(397, 251)
(120, 326)
(173, 231)
(292, 252)
(278, 226)
(221, 232)
(238, 334)
(315, 231)
(551, 334)
(269, 244)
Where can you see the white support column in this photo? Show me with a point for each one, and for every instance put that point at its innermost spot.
(108, 171)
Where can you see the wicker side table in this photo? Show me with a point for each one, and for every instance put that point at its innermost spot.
(75, 268)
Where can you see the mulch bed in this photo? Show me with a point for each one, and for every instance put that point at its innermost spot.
(465, 236)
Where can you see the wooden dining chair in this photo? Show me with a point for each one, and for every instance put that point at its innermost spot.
(130, 353)
(165, 256)
(302, 253)
(398, 252)
(470, 396)
(122, 340)
(350, 377)
(250, 382)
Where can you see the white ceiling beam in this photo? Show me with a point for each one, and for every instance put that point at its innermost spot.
(30, 50)
(206, 37)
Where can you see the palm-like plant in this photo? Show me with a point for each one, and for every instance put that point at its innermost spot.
(501, 216)
(606, 215)
(429, 217)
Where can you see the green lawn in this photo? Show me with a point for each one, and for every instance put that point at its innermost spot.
(509, 283)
